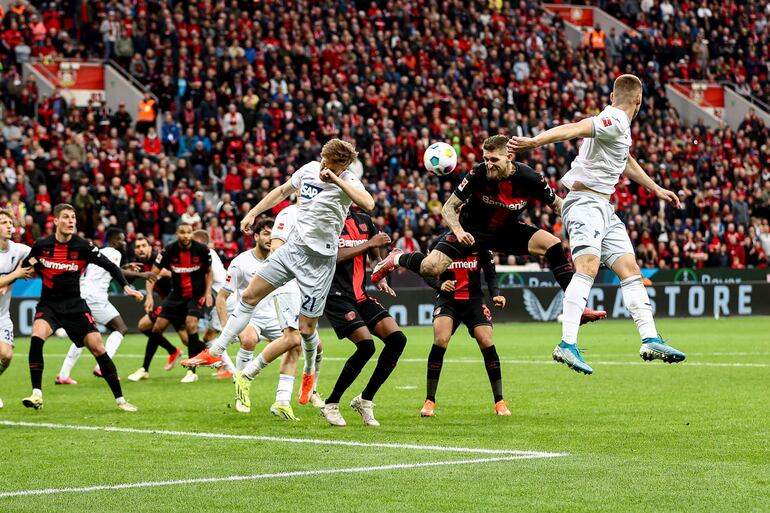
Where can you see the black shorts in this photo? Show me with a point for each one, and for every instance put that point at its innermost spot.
(177, 310)
(76, 319)
(346, 315)
(511, 240)
(472, 313)
(153, 316)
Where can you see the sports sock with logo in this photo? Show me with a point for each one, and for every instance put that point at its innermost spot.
(638, 303)
(386, 363)
(242, 358)
(236, 323)
(110, 374)
(285, 388)
(318, 360)
(494, 373)
(310, 346)
(575, 299)
(560, 267)
(36, 364)
(435, 362)
(254, 367)
(352, 368)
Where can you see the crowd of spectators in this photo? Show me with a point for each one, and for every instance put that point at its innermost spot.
(247, 92)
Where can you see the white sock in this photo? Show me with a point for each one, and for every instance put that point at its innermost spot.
(228, 362)
(638, 303)
(70, 360)
(318, 358)
(243, 358)
(254, 367)
(37, 392)
(236, 323)
(575, 299)
(113, 343)
(120, 400)
(285, 388)
(310, 345)
(396, 258)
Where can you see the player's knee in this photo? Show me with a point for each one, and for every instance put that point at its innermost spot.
(395, 344)
(5, 361)
(441, 341)
(191, 325)
(365, 349)
(294, 337)
(587, 264)
(248, 343)
(431, 268)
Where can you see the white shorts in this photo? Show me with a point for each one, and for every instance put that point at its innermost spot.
(101, 310)
(313, 272)
(274, 314)
(6, 331)
(593, 228)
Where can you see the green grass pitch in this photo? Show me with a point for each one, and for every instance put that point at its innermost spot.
(638, 436)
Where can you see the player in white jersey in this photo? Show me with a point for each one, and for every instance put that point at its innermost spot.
(326, 190)
(596, 234)
(11, 255)
(94, 288)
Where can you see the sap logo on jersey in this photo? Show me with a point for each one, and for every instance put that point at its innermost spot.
(309, 191)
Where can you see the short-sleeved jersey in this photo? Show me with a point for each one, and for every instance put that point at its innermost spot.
(188, 267)
(163, 285)
(61, 264)
(242, 269)
(602, 158)
(284, 223)
(95, 282)
(218, 270)
(350, 276)
(9, 261)
(494, 204)
(322, 208)
(466, 271)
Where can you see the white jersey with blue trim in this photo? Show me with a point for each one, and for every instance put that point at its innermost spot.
(9, 260)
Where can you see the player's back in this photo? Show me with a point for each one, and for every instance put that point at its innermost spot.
(602, 158)
(9, 260)
(95, 282)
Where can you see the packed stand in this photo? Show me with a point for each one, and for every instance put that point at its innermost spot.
(248, 92)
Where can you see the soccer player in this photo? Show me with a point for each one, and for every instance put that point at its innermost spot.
(191, 279)
(94, 286)
(60, 259)
(355, 315)
(596, 234)
(326, 190)
(11, 256)
(460, 300)
(483, 214)
(145, 259)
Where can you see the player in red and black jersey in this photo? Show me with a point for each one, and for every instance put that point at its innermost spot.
(460, 300)
(145, 259)
(355, 315)
(483, 215)
(191, 279)
(59, 260)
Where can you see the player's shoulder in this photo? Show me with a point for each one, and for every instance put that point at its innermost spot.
(614, 116)
(110, 251)
(199, 247)
(312, 168)
(359, 216)
(18, 248)
(81, 243)
(523, 171)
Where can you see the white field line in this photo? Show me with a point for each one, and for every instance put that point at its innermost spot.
(278, 475)
(312, 441)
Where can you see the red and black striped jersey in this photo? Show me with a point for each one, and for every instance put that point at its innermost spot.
(466, 271)
(60, 265)
(188, 267)
(494, 204)
(350, 276)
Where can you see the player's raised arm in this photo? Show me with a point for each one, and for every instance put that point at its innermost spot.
(583, 128)
(272, 199)
(95, 257)
(635, 172)
(451, 214)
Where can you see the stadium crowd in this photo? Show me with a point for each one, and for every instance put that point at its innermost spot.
(249, 91)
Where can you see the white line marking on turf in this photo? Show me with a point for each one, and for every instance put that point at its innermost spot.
(278, 475)
(407, 387)
(314, 441)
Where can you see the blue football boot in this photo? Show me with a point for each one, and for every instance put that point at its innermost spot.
(569, 355)
(657, 349)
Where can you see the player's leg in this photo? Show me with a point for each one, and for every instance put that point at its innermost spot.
(154, 330)
(444, 326)
(429, 266)
(195, 348)
(93, 341)
(73, 354)
(41, 330)
(249, 339)
(6, 353)
(282, 406)
(364, 343)
(159, 340)
(315, 398)
(118, 330)
(483, 335)
(395, 341)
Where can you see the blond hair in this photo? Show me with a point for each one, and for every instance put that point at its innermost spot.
(626, 88)
(339, 153)
(9, 215)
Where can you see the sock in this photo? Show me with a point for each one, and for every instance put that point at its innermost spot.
(228, 362)
(113, 343)
(638, 303)
(560, 267)
(351, 369)
(236, 323)
(3, 367)
(575, 299)
(318, 360)
(310, 346)
(435, 362)
(165, 344)
(110, 374)
(394, 346)
(243, 358)
(36, 363)
(285, 388)
(495, 375)
(254, 367)
(194, 344)
(70, 360)
(149, 350)
(411, 261)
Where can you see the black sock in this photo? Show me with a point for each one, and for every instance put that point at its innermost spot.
(36, 362)
(149, 350)
(411, 261)
(560, 267)
(394, 346)
(435, 362)
(492, 363)
(351, 370)
(194, 344)
(110, 374)
(165, 344)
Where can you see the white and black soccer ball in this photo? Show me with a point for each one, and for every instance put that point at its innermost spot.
(440, 159)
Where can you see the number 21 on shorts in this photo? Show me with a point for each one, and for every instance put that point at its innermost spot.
(308, 303)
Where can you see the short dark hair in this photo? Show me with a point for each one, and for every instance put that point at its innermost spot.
(61, 207)
(182, 223)
(262, 223)
(495, 143)
(113, 234)
(203, 235)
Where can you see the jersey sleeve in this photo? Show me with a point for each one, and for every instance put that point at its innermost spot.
(467, 184)
(606, 126)
(94, 256)
(283, 225)
(163, 260)
(232, 279)
(296, 178)
(31, 258)
(537, 186)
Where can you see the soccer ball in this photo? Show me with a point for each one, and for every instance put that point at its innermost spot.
(440, 159)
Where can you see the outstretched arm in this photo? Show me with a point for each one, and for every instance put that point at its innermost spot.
(635, 172)
(272, 199)
(451, 214)
(583, 128)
